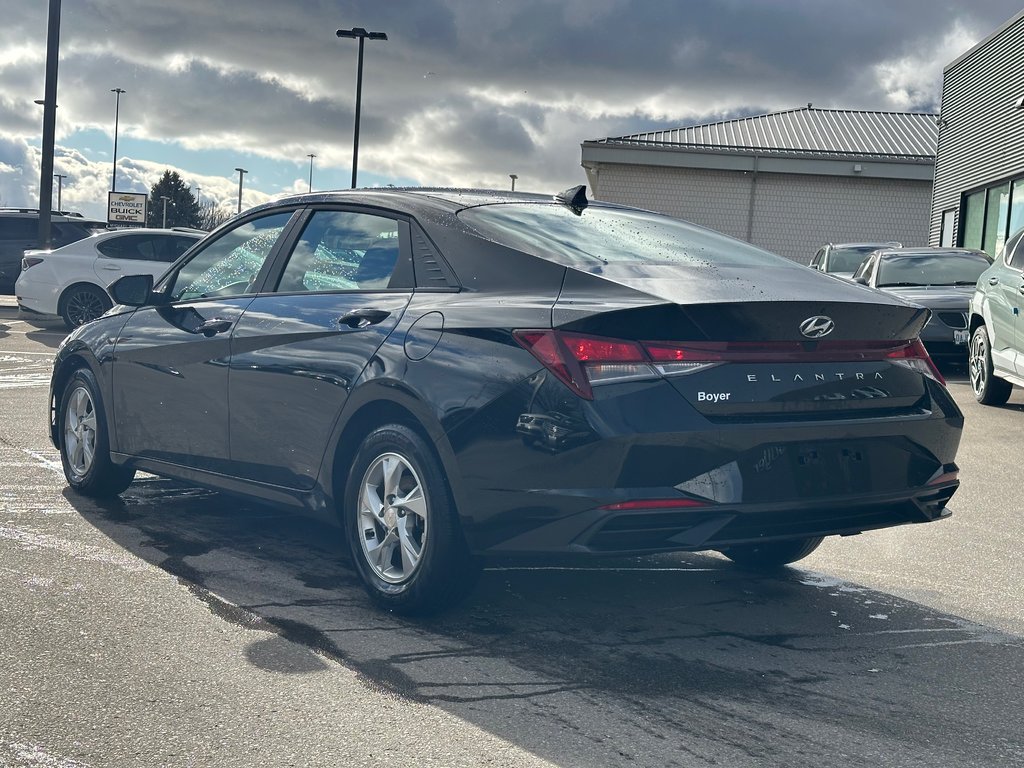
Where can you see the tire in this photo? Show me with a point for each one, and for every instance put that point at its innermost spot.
(84, 445)
(771, 554)
(402, 525)
(988, 388)
(82, 303)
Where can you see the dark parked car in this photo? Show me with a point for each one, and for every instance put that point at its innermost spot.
(997, 331)
(941, 279)
(842, 259)
(19, 231)
(464, 374)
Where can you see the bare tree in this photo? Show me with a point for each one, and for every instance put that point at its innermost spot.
(211, 215)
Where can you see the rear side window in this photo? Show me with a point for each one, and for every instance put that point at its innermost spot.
(600, 236)
(18, 228)
(165, 248)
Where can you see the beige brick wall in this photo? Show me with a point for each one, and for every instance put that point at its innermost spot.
(793, 215)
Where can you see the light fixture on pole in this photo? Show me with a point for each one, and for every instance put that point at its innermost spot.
(165, 198)
(117, 115)
(198, 190)
(360, 34)
(60, 187)
(310, 156)
(513, 177)
(241, 173)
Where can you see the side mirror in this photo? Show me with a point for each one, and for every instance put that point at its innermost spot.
(860, 280)
(132, 290)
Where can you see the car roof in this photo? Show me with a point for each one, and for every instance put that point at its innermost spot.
(886, 253)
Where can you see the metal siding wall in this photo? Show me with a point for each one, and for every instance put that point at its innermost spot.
(982, 140)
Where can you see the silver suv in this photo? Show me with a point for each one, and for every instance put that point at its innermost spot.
(19, 230)
(842, 259)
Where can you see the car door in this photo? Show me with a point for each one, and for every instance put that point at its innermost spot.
(298, 349)
(1001, 307)
(170, 382)
(138, 254)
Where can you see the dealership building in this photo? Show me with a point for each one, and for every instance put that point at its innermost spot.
(786, 181)
(978, 199)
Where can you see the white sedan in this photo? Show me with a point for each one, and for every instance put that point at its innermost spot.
(72, 281)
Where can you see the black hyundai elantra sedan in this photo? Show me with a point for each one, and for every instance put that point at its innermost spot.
(456, 375)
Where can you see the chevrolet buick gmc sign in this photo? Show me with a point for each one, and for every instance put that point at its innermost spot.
(126, 208)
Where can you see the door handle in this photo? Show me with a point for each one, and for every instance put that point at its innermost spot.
(212, 327)
(993, 281)
(360, 318)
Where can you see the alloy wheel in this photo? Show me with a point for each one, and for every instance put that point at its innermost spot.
(80, 432)
(83, 306)
(977, 363)
(392, 518)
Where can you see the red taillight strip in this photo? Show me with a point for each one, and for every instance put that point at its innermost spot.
(654, 504)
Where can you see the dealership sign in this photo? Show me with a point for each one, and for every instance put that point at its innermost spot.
(126, 208)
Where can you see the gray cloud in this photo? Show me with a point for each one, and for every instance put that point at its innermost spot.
(465, 92)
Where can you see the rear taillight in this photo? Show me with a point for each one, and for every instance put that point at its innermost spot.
(582, 361)
(30, 261)
(915, 357)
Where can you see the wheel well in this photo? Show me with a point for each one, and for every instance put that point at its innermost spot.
(60, 379)
(359, 426)
(83, 284)
(975, 322)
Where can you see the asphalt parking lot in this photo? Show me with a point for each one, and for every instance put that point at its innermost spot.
(183, 627)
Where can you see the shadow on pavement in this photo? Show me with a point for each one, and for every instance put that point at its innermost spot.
(670, 660)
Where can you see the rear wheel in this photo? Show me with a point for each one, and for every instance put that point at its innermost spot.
(84, 444)
(772, 554)
(988, 388)
(403, 527)
(83, 303)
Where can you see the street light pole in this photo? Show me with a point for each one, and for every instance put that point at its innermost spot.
(117, 115)
(49, 123)
(360, 34)
(310, 156)
(513, 177)
(60, 186)
(241, 173)
(165, 198)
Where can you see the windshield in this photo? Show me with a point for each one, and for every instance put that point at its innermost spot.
(945, 269)
(848, 259)
(600, 236)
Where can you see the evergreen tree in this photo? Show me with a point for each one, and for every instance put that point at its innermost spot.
(182, 207)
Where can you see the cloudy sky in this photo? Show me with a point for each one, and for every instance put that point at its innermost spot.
(463, 92)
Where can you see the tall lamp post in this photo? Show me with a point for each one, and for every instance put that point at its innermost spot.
(60, 186)
(117, 115)
(310, 156)
(165, 198)
(360, 34)
(513, 177)
(241, 173)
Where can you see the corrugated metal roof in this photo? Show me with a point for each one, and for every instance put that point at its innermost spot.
(805, 131)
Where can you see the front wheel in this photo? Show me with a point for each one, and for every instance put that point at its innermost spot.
(988, 388)
(771, 554)
(402, 525)
(83, 303)
(84, 444)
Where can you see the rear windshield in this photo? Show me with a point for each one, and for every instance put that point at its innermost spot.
(600, 236)
(947, 269)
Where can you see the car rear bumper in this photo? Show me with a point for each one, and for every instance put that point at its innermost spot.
(576, 478)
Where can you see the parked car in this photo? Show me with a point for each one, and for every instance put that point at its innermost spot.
(461, 374)
(842, 259)
(72, 281)
(941, 279)
(19, 231)
(997, 331)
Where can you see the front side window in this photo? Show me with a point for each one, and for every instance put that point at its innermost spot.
(342, 251)
(1014, 255)
(230, 264)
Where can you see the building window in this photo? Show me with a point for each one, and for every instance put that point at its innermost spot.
(997, 215)
(1016, 208)
(974, 220)
(946, 233)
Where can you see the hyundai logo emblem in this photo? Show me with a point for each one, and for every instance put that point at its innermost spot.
(817, 326)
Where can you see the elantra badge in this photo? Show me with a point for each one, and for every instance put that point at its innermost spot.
(817, 326)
